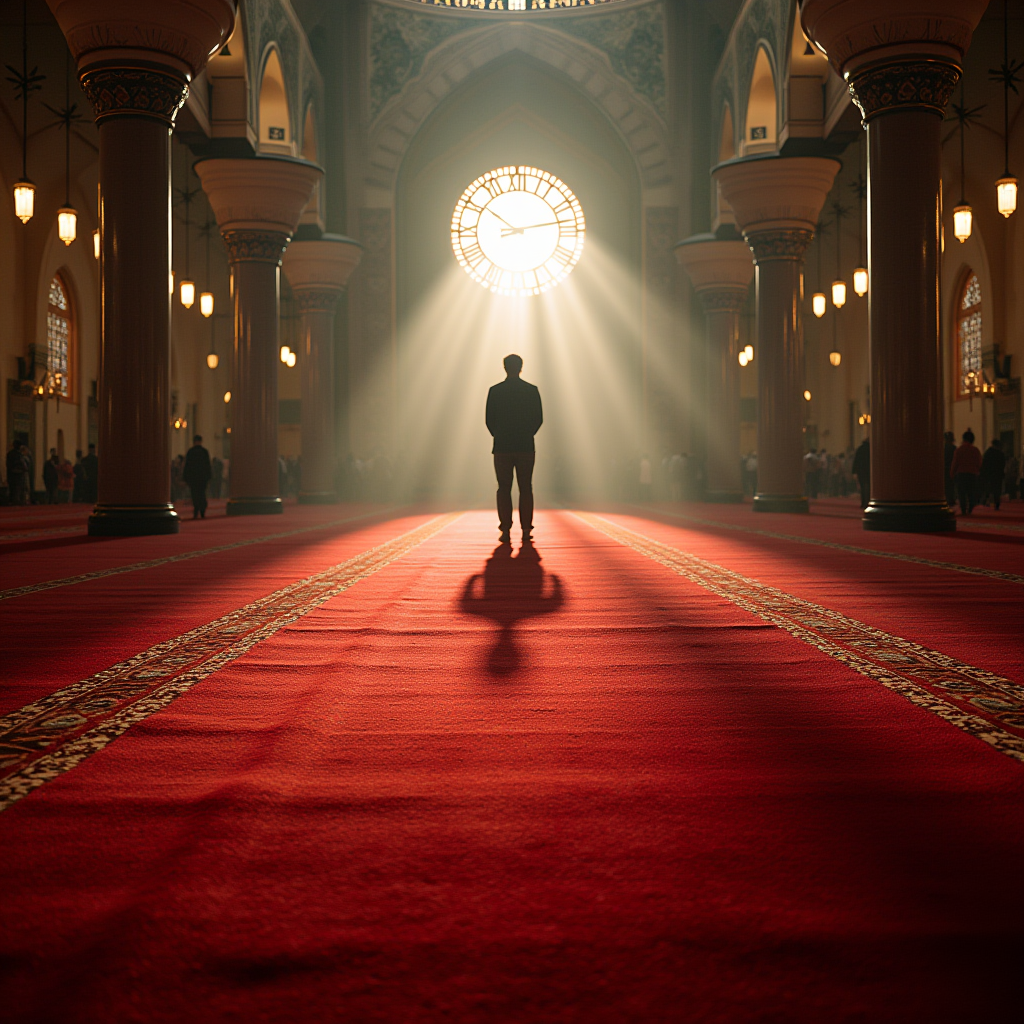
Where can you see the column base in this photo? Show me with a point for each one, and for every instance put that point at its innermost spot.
(780, 503)
(318, 498)
(132, 520)
(255, 506)
(723, 497)
(909, 516)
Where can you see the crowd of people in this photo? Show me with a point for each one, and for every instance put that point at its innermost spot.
(64, 482)
(974, 478)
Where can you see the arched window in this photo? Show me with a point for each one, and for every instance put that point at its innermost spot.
(968, 333)
(60, 334)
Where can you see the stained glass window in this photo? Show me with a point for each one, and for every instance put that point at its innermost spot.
(58, 337)
(969, 333)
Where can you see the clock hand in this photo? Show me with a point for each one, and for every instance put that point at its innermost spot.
(513, 229)
(519, 231)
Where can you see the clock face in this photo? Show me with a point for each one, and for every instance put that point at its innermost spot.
(518, 230)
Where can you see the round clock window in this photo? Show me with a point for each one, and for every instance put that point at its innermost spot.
(518, 230)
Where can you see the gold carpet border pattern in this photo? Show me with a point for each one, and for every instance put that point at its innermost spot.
(971, 570)
(85, 577)
(981, 703)
(48, 737)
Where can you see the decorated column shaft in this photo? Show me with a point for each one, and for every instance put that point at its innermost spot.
(257, 203)
(318, 271)
(135, 63)
(777, 201)
(901, 63)
(721, 271)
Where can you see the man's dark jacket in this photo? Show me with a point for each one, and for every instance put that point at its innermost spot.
(862, 460)
(49, 474)
(514, 415)
(993, 464)
(197, 471)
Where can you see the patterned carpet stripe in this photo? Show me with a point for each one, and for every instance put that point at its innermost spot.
(981, 703)
(25, 534)
(85, 577)
(48, 737)
(971, 570)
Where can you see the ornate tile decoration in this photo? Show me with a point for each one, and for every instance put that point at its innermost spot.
(632, 39)
(981, 703)
(48, 737)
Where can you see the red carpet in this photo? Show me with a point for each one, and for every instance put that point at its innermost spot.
(574, 784)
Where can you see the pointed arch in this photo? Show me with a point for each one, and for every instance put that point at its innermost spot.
(275, 122)
(761, 132)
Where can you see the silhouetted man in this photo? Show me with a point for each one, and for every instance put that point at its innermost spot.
(50, 467)
(514, 415)
(861, 469)
(196, 474)
(92, 474)
(993, 466)
(948, 451)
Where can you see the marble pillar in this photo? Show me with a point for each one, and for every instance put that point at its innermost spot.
(902, 61)
(257, 203)
(318, 271)
(720, 271)
(135, 64)
(777, 201)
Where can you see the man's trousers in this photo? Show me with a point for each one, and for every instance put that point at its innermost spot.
(520, 463)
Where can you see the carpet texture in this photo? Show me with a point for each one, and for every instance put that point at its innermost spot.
(556, 783)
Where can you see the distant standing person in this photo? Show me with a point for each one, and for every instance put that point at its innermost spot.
(65, 482)
(948, 451)
(993, 466)
(1012, 476)
(861, 469)
(513, 416)
(17, 475)
(965, 470)
(92, 475)
(79, 491)
(196, 473)
(51, 469)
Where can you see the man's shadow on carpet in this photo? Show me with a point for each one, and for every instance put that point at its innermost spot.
(510, 590)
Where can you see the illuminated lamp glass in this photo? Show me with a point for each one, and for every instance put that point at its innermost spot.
(206, 303)
(24, 200)
(212, 360)
(838, 294)
(749, 349)
(807, 396)
(96, 242)
(860, 281)
(285, 353)
(227, 396)
(963, 221)
(291, 359)
(67, 224)
(744, 358)
(818, 304)
(1006, 195)
(835, 357)
(188, 293)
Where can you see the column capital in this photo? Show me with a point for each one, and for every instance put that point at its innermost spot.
(258, 201)
(136, 60)
(894, 54)
(261, 246)
(318, 270)
(716, 267)
(777, 201)
(722, 300)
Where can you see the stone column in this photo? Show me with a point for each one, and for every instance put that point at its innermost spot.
(777, 201)
(318, 272)
(135, 64)
(257, 203)
(902, 61)
(721, 271)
